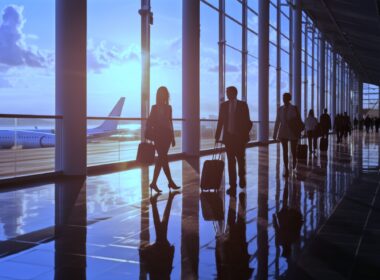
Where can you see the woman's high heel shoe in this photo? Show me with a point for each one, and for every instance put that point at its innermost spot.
(173, 186)
(155, 188)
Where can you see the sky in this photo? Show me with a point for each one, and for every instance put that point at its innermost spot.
(27, 64)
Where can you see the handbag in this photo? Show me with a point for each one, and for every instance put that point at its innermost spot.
(296, 124)
(145, 153)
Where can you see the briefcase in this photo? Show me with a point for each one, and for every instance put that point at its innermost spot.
(323, 144)
(212, 173)
(302, 151)
(145, 153)
(212, 206)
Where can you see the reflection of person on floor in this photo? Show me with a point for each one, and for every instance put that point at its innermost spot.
(232, 248)
(287, 224)
(158, 257)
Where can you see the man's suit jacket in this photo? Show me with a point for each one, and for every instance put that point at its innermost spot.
(242, 122)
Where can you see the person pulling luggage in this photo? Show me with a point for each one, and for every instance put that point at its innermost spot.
(235, 122)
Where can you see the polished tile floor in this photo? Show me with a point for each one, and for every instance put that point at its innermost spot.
(321, 223)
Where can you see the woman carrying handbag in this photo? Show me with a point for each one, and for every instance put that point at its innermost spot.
(159, 129)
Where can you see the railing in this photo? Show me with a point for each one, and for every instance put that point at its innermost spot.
(27, 142)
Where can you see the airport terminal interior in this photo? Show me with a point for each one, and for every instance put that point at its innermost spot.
(78, 80)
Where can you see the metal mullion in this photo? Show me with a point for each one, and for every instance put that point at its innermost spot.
(252, 31)
(210, 5)
(252, 10)
(233, 19)
(234, 48)
(284, 35)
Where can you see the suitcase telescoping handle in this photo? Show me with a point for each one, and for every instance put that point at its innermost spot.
(218, 155)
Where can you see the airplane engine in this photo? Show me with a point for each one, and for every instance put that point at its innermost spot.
(47, 141)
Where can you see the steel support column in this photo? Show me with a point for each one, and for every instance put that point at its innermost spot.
(71, 90)
(297, 52)
(222, 51)
(244, 53)
(305, 81)
(263, 71)
(290, 46)
(333, 91)
(312, 68)
(318, 76)
(146, 21)
(278, 67)
(322, 74)
(190, 77)
(342, 89)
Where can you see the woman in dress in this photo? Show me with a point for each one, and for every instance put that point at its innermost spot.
(160, 130)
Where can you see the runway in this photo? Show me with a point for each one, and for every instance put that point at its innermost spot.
(22, 162)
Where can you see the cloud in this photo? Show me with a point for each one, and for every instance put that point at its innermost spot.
(5, 83)
(102, 55)
(229, 68)
(14, 51)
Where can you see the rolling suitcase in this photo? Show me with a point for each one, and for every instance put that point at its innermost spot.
(302, 151)
(212, 173)
(324, 144)
(145, 153)
(212, 206)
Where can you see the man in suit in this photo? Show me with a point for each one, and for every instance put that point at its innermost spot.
(235, 122)
(325, 122)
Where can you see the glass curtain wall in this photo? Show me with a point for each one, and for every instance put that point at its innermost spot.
(114, 69)
(370, 100)
(27, 87)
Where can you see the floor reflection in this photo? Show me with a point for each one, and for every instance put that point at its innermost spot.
(109, 227)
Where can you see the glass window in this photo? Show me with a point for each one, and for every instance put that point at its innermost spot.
(233, 69)
(27, 46)
(233, 34)
(209, 63)
(113, 56)
(166, 52)
(234, 9)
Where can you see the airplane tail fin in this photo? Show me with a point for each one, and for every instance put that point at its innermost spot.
(111, 125)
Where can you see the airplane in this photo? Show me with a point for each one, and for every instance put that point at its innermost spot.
(31, 139)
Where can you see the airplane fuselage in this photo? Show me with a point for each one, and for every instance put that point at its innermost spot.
(26, 139)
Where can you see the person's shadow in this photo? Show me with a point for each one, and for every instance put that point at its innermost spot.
(158, 257)
(232, 255)
(287, 224)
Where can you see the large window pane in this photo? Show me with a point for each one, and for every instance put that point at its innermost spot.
(27, 46)
(166, 51)
(114, 56)
(209, 63)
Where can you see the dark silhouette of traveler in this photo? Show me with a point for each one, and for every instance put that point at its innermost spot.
(356, 122)
(235, 122)
(232, 257)
(339, 128)
(311, 125)
(367, 123)
(361, 124)
(372, 123)
(283, 130)
(287, 224)
(346, 125)
(160, 130)
(325, 122)
(377, 124)
(158, 257)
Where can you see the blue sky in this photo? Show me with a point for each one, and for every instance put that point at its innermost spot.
(27, 34)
